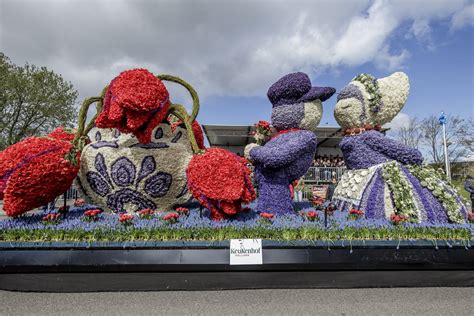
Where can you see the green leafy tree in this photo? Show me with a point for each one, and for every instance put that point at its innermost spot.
(33, 101)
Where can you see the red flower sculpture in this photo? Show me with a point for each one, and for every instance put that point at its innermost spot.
(220, 181)
(135, 102)
(33, 172)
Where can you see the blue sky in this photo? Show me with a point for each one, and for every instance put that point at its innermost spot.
(232, 51)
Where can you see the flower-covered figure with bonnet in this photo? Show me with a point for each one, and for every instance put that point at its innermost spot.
(386, 177)
(297, 110)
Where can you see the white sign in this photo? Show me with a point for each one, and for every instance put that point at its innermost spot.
(245, 251)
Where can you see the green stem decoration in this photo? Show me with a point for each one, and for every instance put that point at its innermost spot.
(81, 134)
(190, 89)
(180, 112)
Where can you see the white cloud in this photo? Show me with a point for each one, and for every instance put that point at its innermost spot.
(463, 17)
(402, 120)
(221, 47)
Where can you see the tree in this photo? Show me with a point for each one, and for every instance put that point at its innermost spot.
(459, 137)
(410, 135)
(33, 101)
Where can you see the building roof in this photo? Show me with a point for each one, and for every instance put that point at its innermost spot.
(239, 135)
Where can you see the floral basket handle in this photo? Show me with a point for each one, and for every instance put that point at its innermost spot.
(180, 112)
(80, 137)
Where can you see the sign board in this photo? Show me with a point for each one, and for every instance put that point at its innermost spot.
(245, 251)
(320, 191)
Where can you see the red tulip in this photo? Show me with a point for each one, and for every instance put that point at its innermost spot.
(135, 102)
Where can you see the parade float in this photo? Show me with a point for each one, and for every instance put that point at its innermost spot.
(156, 201)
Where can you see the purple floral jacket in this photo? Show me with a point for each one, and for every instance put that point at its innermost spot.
(372, 147)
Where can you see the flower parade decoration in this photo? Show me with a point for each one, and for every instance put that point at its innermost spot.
(386, 177)
(355, 214)
(126, 219)
(262, 132)
(146, 213)
(470, 217)
(34, 171)
(220, 181)
(433, 181)
(51, 219)
(135, 102)
(120, 173)
(171, 218)
(296, 113)
(372, 87)
(402, 194)
(91, 215)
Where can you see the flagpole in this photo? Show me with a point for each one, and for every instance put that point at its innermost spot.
(442, 121)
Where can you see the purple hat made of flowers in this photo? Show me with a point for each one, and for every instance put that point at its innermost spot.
(295, 88)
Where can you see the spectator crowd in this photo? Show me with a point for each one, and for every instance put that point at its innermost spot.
(328, 161)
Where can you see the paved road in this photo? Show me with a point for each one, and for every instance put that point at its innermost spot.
(401, 301)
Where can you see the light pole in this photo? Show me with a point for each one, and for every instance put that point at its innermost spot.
(442, 121)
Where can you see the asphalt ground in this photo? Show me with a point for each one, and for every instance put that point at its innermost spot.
(388, 301)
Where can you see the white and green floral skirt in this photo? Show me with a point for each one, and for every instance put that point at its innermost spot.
(417, 192)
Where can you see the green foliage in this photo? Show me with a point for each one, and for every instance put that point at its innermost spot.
(33, 101)
(306, 233)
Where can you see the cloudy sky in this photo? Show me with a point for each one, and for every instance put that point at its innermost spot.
(232, 51)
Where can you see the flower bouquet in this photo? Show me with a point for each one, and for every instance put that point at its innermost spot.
(262, 132)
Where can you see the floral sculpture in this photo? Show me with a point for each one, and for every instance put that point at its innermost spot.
(34, 171)
(141, 148)
(220, 181)
(385, 178)
(297, 110)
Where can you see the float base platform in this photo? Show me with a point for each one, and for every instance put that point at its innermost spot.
(150, 266)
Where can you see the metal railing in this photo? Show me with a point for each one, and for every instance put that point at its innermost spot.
(324, 174)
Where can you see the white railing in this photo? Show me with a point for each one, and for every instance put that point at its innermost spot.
(324, 174)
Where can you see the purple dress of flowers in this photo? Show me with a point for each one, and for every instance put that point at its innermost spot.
(282, 160)
(371, 150)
